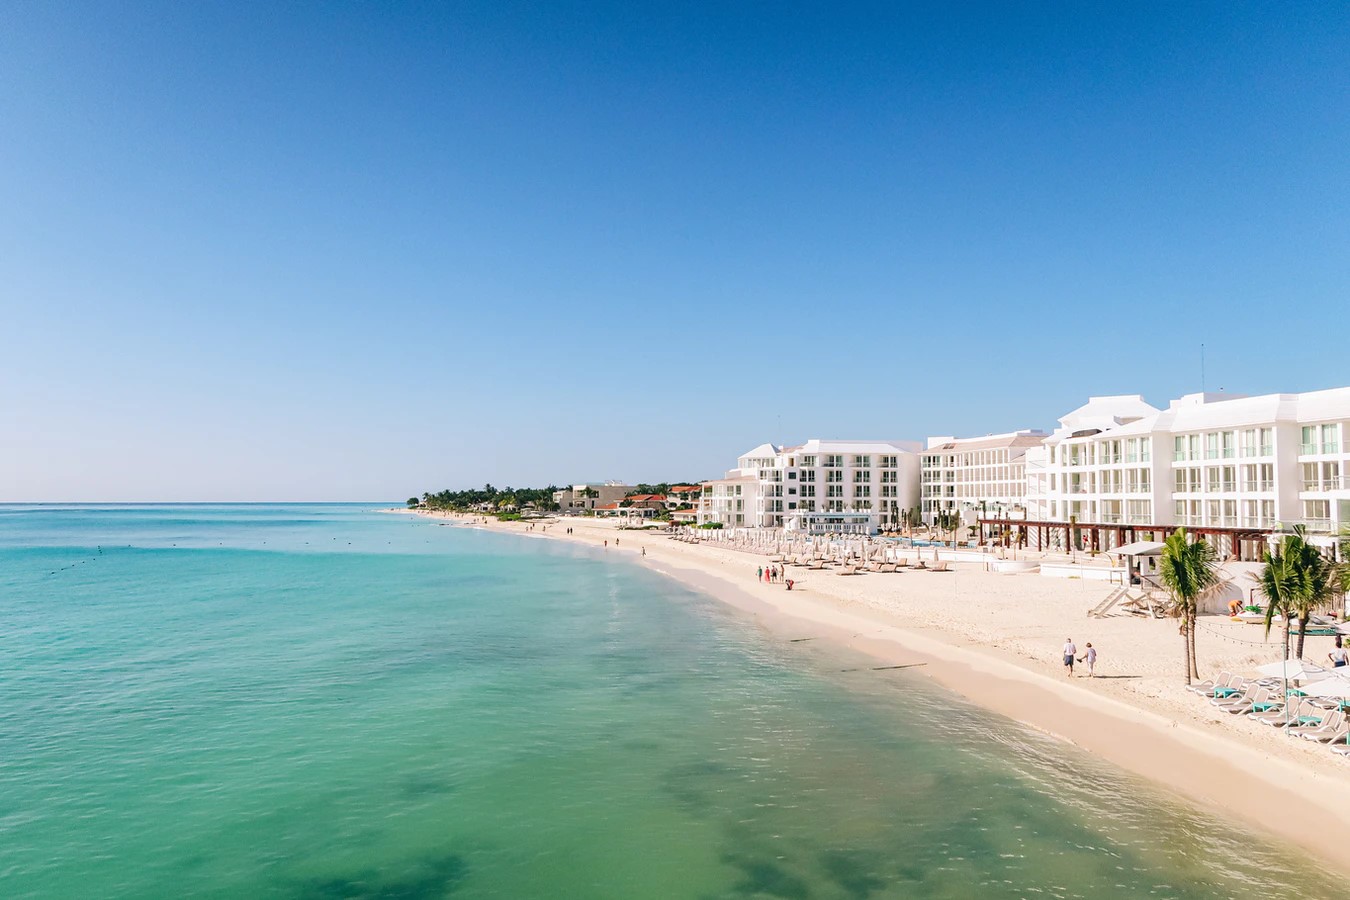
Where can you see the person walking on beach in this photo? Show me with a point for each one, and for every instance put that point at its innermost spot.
(1070, 651)
(1337, 654)
(644, 551)
(759, 574)
(1090, 657)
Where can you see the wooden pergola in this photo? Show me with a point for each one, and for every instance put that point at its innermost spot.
(1245, 543)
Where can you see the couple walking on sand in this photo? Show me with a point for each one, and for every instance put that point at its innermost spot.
(1071, 653)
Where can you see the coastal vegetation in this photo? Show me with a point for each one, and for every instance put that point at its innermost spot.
(1188, 569)
(505, 499)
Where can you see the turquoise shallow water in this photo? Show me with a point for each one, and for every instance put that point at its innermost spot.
(328, 702)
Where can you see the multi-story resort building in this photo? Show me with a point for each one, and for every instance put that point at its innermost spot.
(984, 475)
(817, 487)
(1233, 469)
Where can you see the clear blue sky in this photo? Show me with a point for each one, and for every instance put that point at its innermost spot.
(329, 251)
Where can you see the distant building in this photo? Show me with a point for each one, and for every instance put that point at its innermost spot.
(682, 495)
(589, 496)
(964, 476)
(817, 487)
(645, 501)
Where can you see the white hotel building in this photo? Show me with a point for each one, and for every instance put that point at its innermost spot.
(1231, 468)
(984, 475)
(816, 487)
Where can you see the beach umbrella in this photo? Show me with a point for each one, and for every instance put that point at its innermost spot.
(1332, 686)
(1293, 670)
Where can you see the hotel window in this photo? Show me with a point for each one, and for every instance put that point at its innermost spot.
(1267, 512)
(1267, 441)
(862, 461)
(1178, 448)
(1308, 442)
(808, 490)
(1212, 512)
(1180, 485)
(808, 462)
(1226, 443)
(1229, 513)
(1249, 445)
(833, 462)
(834, 476)
(1310, 479)
(834, 490)
(1212, 479)
(1317, 514)
(888, 462)
(1179, 510)
(1329, 442)
(862, 490)
(1139, 511)
(1193, 446)
(861, 475)
(1266, 471)
(1212, 445)
(809, 475)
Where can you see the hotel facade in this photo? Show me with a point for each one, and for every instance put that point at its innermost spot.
(1234, 469)
(818, 487)
(969, 476)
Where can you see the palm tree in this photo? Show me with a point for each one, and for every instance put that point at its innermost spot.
(1280, 583)
(1298, 579)
(1187, 570)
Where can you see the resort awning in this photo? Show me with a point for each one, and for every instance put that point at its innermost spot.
(1139, 548)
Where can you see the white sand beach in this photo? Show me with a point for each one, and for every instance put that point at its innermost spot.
(996, 639)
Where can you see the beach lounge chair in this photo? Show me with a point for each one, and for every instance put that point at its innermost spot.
(902, 564)
(941, 566)
(1277, 715)
(1251, 693)
(1333, 727)
(1208, 686)
(1341, 749)
(920, 564)
(1234, 687)
(848, 570)
(888, 567)
(1323, 730)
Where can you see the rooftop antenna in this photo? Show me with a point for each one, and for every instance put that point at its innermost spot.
(1202, 368)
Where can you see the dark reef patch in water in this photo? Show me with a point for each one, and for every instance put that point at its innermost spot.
(854, 871)
(694, 785)
(433, 877)
(766, 878)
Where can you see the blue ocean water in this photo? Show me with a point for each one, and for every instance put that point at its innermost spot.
(327, 701)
